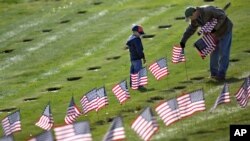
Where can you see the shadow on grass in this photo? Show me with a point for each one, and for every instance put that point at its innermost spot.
(8, 109)
(170, 90)
(228, 80)
(202, 132)
(178, 139)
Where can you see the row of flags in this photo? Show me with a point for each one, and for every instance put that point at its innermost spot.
(144, 125)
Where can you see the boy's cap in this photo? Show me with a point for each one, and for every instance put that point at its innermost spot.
(138, 28)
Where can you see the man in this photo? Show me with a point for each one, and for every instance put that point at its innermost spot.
(219, 58)
(135, 47)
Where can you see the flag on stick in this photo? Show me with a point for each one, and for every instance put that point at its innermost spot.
(168, 111)
(116, 131)
(45, 136)
(73, 132)
(121, 91)
(89, 101)
(139, 79)
(191, 103)
(145, 124)
(72, 112)
(224, 97)
(159, 68)
(178, 54)
(46, 120)
(11, 123)
(102, 98)
(243, 93)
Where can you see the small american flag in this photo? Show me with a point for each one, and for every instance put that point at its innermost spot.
(102, 98)
(224, 97)
(178, 55)
(72, 112)
(159, 68)
(89, 101)
(11, 123)
(210, 42)
(7, 138)
(208, 27)
(145, 124)
(139, 79)
(116, 131)
(73, 132)
(143, 78)
(134, 81)
(45, 136)
(191, 103)
(168, 111)
(121, 91)
(243, 93)
(46, 120)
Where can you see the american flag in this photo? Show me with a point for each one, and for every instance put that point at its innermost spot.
(145, 124)
(134, 81)
(178, 55)
(11, 123)
(224, 97)
(121, 91)
(143, 78)
(73, 132)
(210, 43)
(102, 98)
(72, 112)
(191, 103)
(45, 136)
(7, 138)
(89, 101)
(208, 27)
(159, 68)
(46, 120)
(243, 93)
(139, 79)
(116, 131)
(168, 111)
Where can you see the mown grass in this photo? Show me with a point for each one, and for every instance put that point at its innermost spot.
(88, 39)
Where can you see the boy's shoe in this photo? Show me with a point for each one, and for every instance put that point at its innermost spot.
(220, 78)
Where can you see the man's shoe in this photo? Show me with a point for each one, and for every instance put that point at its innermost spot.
(220, 78)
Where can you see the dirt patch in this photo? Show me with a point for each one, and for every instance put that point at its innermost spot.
(64, 21)
(100, 122)
(97, 3)
(234, 60)
(82, 12)
(197, 78)
(46, 30)
(113, 58)
(179, 18)
(53, 89)
(164, 26)
(7, 51)
(8, 109)
(74, 78)
(179, 87)
(30, 99)
(28, 40)
(148, 36)
(96, 68)
(109, 119)
(247, 51)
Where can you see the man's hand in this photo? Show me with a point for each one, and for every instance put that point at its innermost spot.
(182, 45)
(144, 60)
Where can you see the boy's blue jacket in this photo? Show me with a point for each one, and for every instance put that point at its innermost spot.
(135, 48)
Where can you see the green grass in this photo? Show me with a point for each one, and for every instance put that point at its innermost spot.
(88, 39)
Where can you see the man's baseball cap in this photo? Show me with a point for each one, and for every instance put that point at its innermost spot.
(189, 12)
(138, 28)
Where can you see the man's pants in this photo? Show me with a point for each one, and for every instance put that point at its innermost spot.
(219, 58)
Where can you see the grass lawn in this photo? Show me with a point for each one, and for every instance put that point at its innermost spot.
(43, 43)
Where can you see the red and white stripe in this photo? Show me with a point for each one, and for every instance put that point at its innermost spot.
(157, 71)
(177, 55)
(88, 105)
(120, 94)
(45, 122)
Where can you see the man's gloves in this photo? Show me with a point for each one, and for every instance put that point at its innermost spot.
(182, 45)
